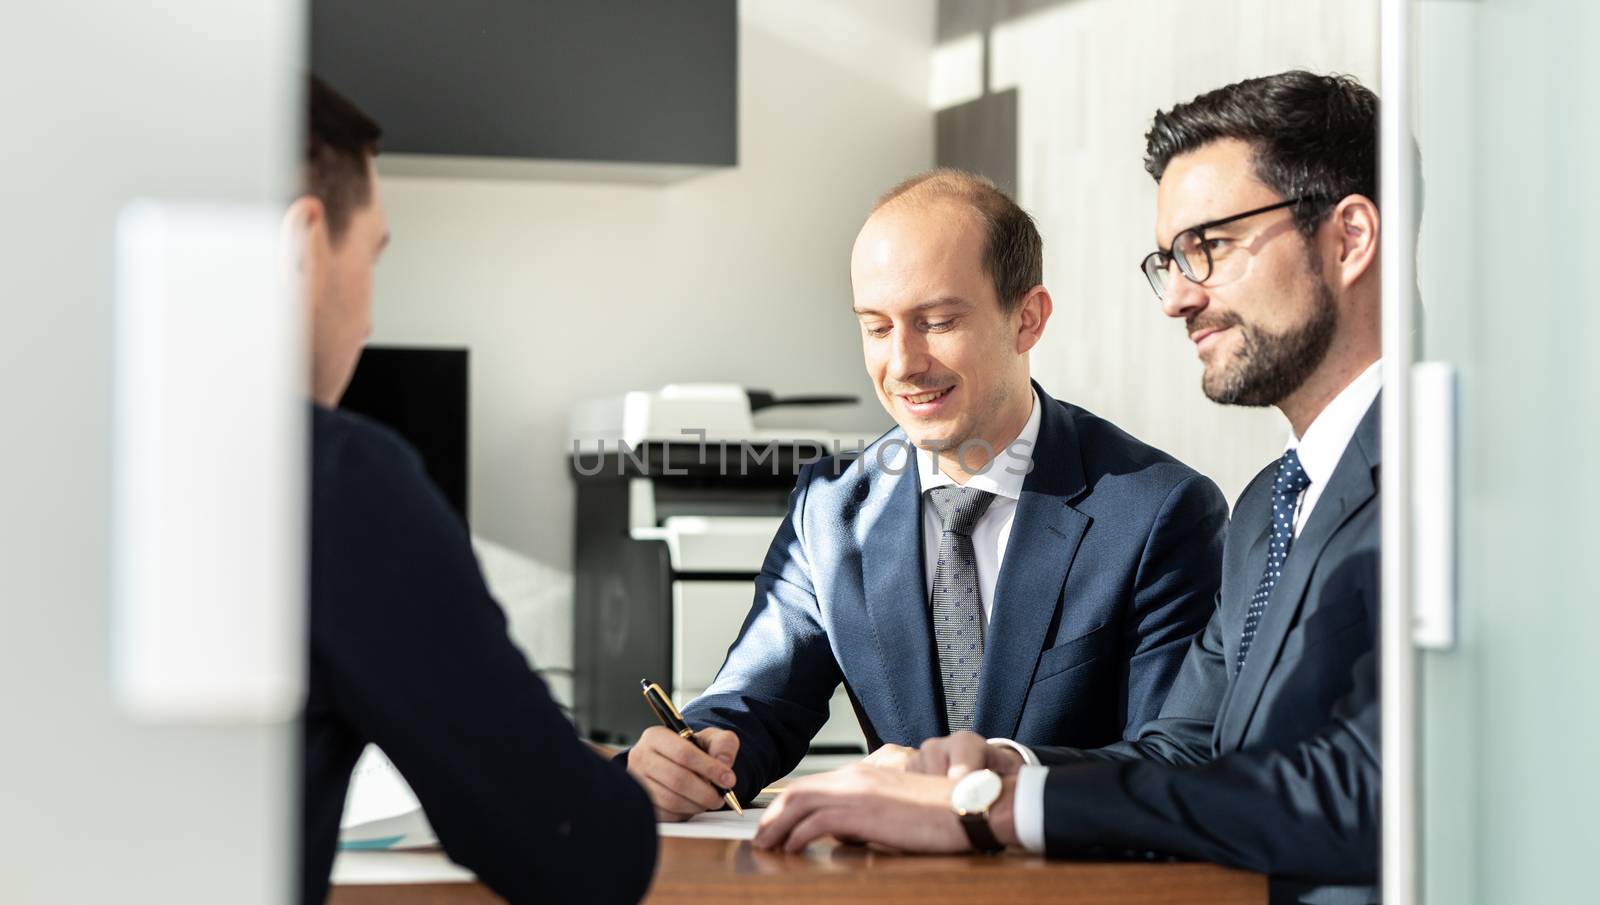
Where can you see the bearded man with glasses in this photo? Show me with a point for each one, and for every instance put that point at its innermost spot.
(1265, 753)
(1218, 254)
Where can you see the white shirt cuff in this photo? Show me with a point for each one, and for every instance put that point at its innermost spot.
(1028, 757)
(1027, 811)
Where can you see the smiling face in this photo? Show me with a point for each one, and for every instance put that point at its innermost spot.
(949, 365)
(1265, 320)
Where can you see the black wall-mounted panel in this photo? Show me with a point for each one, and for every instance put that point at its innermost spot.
(645, 81)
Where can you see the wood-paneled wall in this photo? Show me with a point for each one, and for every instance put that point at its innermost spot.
(1089, 75)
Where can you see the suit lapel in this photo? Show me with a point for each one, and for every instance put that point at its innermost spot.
(1045, 535)
(1256, 558)
(896, 596)
(1255, 562)
(1348, 488)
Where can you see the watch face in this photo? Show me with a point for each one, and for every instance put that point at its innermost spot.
(975, 792)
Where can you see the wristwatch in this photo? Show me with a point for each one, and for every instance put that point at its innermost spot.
(971, 799)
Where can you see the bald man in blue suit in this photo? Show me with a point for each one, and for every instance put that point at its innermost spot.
(1000, 562)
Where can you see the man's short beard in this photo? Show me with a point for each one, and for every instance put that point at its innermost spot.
(1270, 368)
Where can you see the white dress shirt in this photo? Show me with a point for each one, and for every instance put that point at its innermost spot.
(1329, 433)
(1320, 449)
(1003, 478)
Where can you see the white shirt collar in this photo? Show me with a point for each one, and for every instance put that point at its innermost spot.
(1330, 432)
(1006, 471)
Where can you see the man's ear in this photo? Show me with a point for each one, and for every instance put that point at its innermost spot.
(1355, 239)
(305, 239)
(1032, 314)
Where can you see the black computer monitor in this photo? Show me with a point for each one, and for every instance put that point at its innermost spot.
(422, 394)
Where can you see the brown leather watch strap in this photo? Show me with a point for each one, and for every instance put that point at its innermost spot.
(980, 834)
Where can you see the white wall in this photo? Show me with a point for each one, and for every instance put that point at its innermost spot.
(1090, 74)
(567, 290)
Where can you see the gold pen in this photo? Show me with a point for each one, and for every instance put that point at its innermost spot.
(672, 719)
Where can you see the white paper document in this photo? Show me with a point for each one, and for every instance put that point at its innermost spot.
(358, 867)
(715, 825)
(381, 811)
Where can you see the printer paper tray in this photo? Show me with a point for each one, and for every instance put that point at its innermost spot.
(735, 543)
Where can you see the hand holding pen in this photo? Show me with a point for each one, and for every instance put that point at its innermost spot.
(685, 772)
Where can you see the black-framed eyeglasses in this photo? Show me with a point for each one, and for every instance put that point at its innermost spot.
(1192, 251)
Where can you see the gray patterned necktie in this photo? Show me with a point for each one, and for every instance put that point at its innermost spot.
(957, 609)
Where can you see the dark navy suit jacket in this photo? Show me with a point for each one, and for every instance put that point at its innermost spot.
(1276, 769)
(409, 652)
(1111, 567)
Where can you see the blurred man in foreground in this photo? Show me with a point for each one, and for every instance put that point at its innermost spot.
(408, 650)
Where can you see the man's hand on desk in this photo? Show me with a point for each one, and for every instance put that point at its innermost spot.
(680, 778)
(891, 757)
(906, 811)
(959, 754)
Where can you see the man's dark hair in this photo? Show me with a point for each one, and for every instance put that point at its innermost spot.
(1013, 253)
(1313, 135)
(339, 140)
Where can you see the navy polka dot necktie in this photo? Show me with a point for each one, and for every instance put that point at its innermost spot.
(1286, 490)
(957, 608)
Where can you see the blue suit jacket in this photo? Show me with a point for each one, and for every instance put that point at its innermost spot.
(1111, 566)
(1274, 769)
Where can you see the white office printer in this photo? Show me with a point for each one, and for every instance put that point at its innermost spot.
(678, 497)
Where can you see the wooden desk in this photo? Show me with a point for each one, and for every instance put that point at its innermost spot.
(710, 871)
